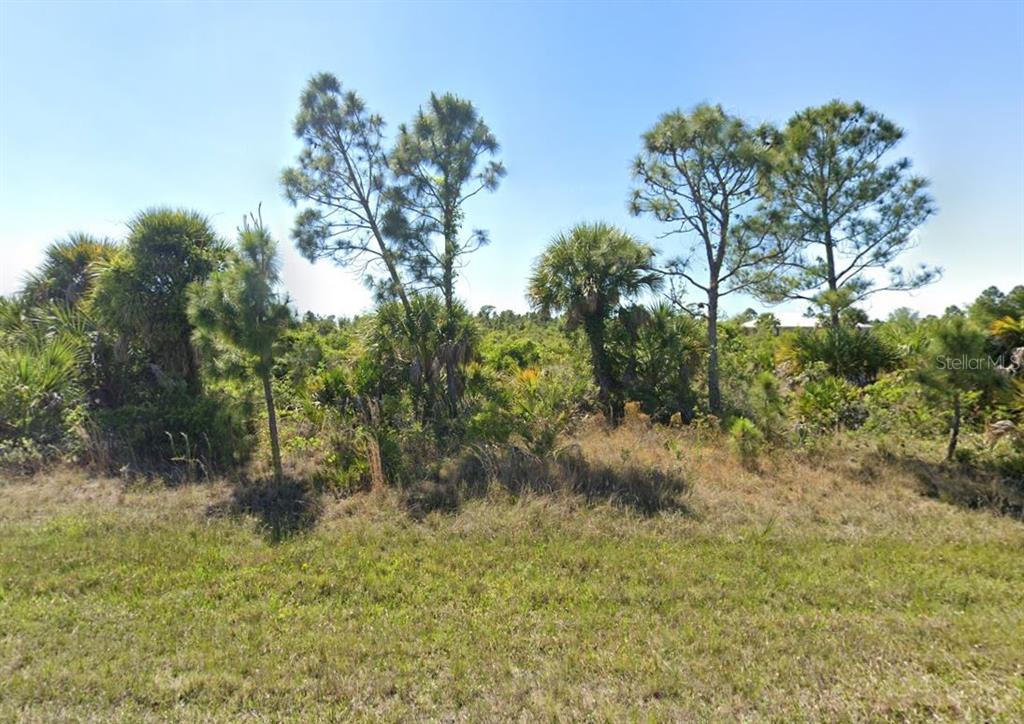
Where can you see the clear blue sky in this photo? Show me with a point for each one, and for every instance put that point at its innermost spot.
(106, 109)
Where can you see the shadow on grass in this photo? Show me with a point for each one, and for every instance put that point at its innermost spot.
(966, 485)
(282, 510)
(646, 490)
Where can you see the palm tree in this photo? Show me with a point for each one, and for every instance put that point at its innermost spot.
(240, 305)
(586, 273)
(1008, 330)
(141, 293)
(68, 269)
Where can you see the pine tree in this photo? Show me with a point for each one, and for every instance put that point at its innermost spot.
(701, 174)
(847, 211)
(240, 306)
(440, 163)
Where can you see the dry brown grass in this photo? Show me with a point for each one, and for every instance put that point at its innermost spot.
(843, 490)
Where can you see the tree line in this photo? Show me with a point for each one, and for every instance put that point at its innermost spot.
(804, 212)
(153, 350)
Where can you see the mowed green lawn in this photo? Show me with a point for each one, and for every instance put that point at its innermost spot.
(142, 605)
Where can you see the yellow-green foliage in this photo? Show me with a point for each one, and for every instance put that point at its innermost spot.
(42, 352)
(747, 439)
(829, 404)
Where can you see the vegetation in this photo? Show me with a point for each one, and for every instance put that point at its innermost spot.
(435, 162)
(586, 273)
(239, 304)
(584, 510)
(955, 345)
(804, 593)
(701, 174)
(69, 270)
(846, 209)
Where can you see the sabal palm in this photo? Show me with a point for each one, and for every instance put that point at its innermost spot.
(141, 293)
(1009, 330)
(68, 269)
(586, 273)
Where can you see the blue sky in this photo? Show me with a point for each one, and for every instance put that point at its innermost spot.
(106, 109)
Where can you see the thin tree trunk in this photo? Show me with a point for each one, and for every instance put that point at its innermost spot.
(275, 450)
(833, 284)
(603, 376)
(451, 365)
(448, 281)
(371, 421)
(452, 379)
(954, 431)
(399, 287)
(714, 388)
(378, 481)
(192, 378)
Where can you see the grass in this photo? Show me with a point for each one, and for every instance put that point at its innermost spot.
(799, 592)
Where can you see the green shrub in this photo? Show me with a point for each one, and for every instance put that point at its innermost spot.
(544, 403)
(22, 455)
(748, 440)
(829, 404)
(767, 406)
(511, 354)
(39, 391)
(532, 406)
(210, 432)
(856, 355)
(346, 468)
(896, 405)
(657, 352)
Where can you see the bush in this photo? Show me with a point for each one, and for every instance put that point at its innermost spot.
(829, 404)
(748, 441)
(512, 354)
(766, 405)
(40, 395)
(21, 456)
(856, 355)
(543, 407)
(531, 406)
(661, 351)
(346, 468)
(175, 431)
(896, 405)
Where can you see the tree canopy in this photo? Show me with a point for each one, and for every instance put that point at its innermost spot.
(343, 174)
(69, 269)
(848, 211)
(586, 273)
(240, 305)
(142, 291)
(701, 173)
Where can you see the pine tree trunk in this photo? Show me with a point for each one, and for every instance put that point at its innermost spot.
(714, 388)
(451, 363)
(954, 430)
(833, 283)
(378, 481)
(275, 449)
(192, 378)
